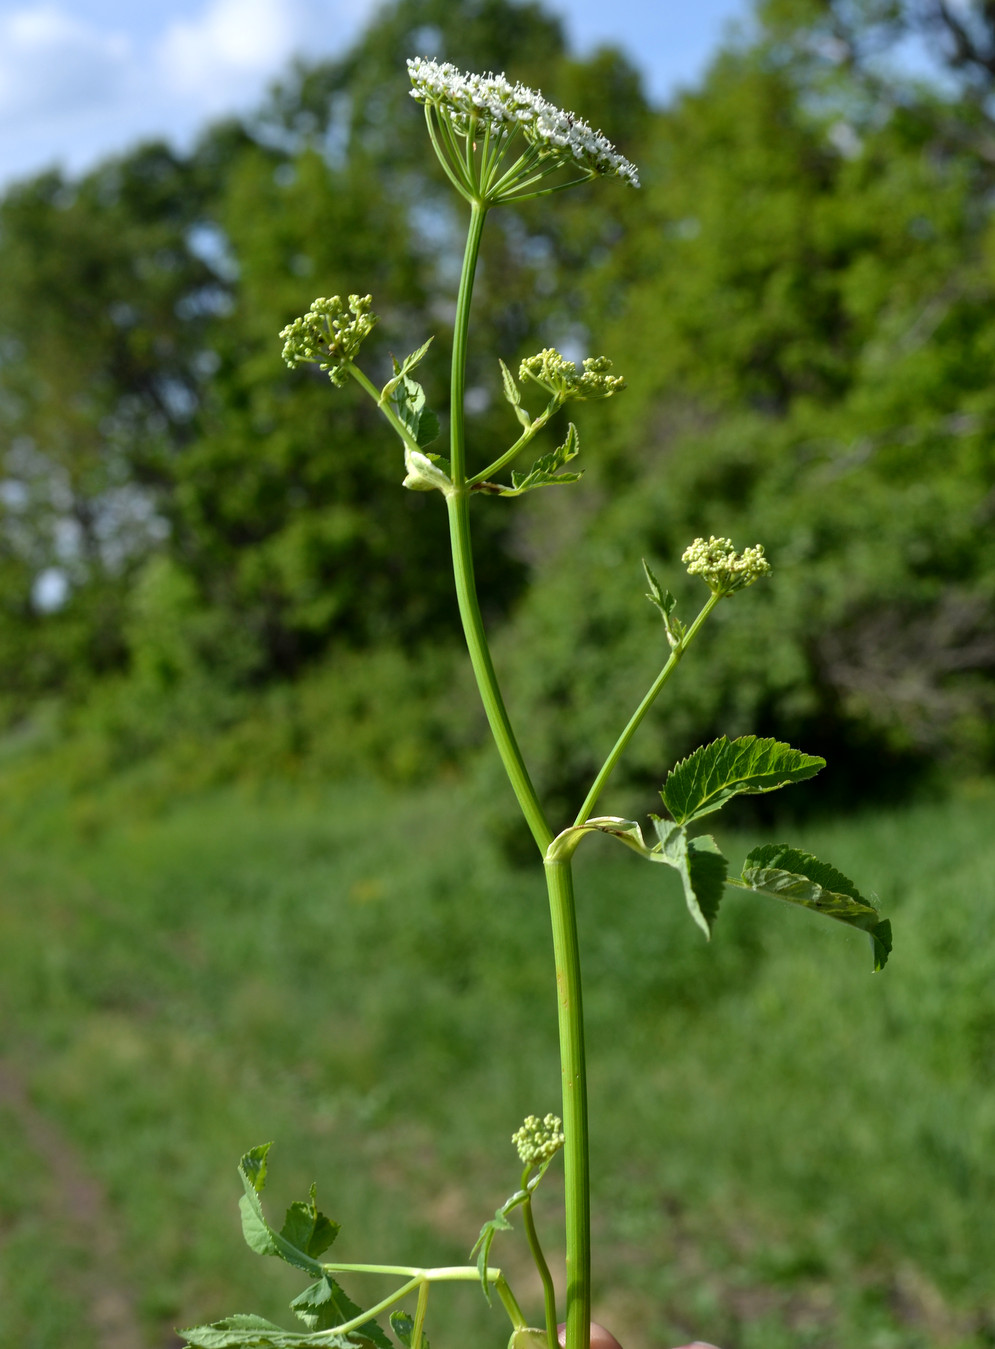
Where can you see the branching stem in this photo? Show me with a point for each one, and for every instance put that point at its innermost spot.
(621, 744)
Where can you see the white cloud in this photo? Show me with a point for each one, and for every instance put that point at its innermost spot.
(225, 55)
(81, 79)
(51, 64)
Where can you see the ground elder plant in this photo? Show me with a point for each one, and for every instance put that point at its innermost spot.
(501, 143)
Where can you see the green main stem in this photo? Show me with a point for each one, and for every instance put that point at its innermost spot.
(558, 874)
(573, 1076)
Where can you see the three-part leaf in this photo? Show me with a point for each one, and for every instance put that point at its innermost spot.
(708, 778)
(306, 1234)
(799, 878)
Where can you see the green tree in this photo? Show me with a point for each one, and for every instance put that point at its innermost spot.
(806, 322)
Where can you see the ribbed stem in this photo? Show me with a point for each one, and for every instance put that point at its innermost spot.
(573, 1073)
(483, 669)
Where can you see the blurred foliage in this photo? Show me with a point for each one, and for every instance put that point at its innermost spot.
(788, 1152)
(801, 298)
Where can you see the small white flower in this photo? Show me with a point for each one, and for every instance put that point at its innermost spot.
(557, 137)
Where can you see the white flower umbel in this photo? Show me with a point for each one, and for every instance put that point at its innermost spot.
(487, 113)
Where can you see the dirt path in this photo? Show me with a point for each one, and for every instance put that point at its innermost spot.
(80, 1208)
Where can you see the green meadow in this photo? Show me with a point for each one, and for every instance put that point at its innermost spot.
(788, 1150)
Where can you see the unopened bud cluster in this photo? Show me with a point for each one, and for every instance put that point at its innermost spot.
(725, 570)
(330, 334)
(559, 376)
(538, 1139)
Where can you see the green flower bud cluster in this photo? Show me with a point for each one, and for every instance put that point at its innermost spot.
(329, 334)
(559, 376)
(538, 1140)
(725, 570)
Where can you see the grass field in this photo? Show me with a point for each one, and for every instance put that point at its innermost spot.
(788, 1150)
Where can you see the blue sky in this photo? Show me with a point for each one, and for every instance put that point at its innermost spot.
(84, 78)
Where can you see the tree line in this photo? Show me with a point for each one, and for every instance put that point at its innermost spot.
(800, 298)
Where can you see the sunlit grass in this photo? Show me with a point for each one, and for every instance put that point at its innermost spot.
(788, 1150)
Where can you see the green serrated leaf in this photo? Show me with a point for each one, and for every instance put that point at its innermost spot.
(402, 369)
(511, 390)
(666, 603)
(407, 398)
(325, 1305)
(307, 1229)
(706, 779)
(403, 1327)
(252, 1166)
(799, 878)
(701, 867)
(481, 1247)
(253, 1332)
(259, 1236)
(233, 1330)
(416, 357)
(513, 394)
(545, 471)
(658, 594)
(428, 428)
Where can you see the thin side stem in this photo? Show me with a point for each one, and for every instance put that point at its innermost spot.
(441, 155)
(385, 408)
(573, 1071)
(621, 744)
(515, 1313)
(443, 1274)
(420, 1310)
(523, 164)
(548, 1291)
(528, 435)
(514, 195)
(379, 1307)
